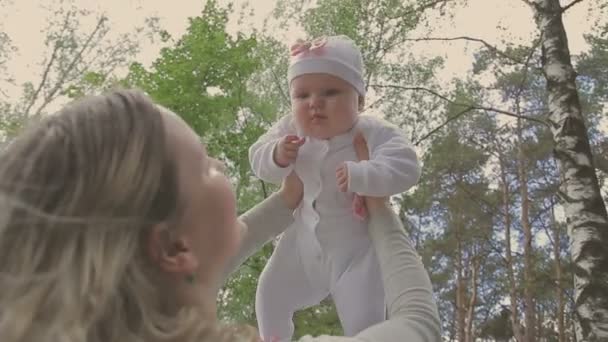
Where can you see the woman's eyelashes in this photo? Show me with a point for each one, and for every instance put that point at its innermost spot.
(218, 165)
(214, 165)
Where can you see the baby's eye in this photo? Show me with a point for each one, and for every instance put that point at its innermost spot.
(301, 95)
(331, 92)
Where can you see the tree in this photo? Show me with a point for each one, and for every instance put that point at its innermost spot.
(78, 61)
(580, 191)
(456, 212)
(587, 219)
(6, 49)
(592, 79)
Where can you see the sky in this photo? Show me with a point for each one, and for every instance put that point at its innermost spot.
(479, 19)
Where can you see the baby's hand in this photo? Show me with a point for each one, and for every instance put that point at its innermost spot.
(342, 177)
(286, 150)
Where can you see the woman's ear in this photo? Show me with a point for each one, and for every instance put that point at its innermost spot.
(171, 252)
(361, 103)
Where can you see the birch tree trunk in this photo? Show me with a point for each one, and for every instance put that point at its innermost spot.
(559, 291)
(587, 220)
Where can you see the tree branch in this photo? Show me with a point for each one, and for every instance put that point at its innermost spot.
(520, 90)
(264, 191)
(476, 40)
(399, 30)
(450, 119)
(422, 8)
(570, 5)
(71, 66)
(373, 104)
(45, 75)
(467, 105)
(375, 52)
(47, 69)
(284, 95)
(526, 63)
(529, 3)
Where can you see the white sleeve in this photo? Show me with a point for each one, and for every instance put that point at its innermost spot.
(261, 152)
(393, 167)
(258, 225)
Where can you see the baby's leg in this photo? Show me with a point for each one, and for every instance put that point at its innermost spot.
(359, 295)
(284, 288)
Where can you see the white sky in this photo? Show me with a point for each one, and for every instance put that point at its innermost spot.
(479, 19)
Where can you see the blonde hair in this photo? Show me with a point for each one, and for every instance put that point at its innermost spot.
(78, 193)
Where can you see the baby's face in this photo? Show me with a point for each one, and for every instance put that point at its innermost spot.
(324, 106)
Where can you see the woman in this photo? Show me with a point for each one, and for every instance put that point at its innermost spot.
(115, 225)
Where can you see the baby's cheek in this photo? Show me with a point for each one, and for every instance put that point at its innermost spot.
(303, 123)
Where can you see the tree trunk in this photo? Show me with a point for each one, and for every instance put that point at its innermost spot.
(460, 292)
(517, 331)
(529, 304)
(470, 337)
(587, 220)
(539, 323)
(559, 290)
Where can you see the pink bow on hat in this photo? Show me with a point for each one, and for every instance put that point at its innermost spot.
(302, 46)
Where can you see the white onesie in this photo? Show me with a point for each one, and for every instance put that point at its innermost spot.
(327, 250)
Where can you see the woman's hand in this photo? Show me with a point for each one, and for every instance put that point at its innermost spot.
(292, 190)
(362, 152)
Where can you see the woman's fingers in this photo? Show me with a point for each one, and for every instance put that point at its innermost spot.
(292, 190)
(360, 145)
(362, 152)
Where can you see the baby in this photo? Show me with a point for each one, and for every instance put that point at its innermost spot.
(327, 250)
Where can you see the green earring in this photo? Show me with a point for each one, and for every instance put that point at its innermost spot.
(190, 278)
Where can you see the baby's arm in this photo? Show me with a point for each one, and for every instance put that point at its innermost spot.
(261, 153)
(393, 167)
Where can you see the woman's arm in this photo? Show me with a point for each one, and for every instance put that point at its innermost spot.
(266, 220)
(413, 315)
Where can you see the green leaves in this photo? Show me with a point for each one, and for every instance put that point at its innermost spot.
(203, 77)
(220, 84)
